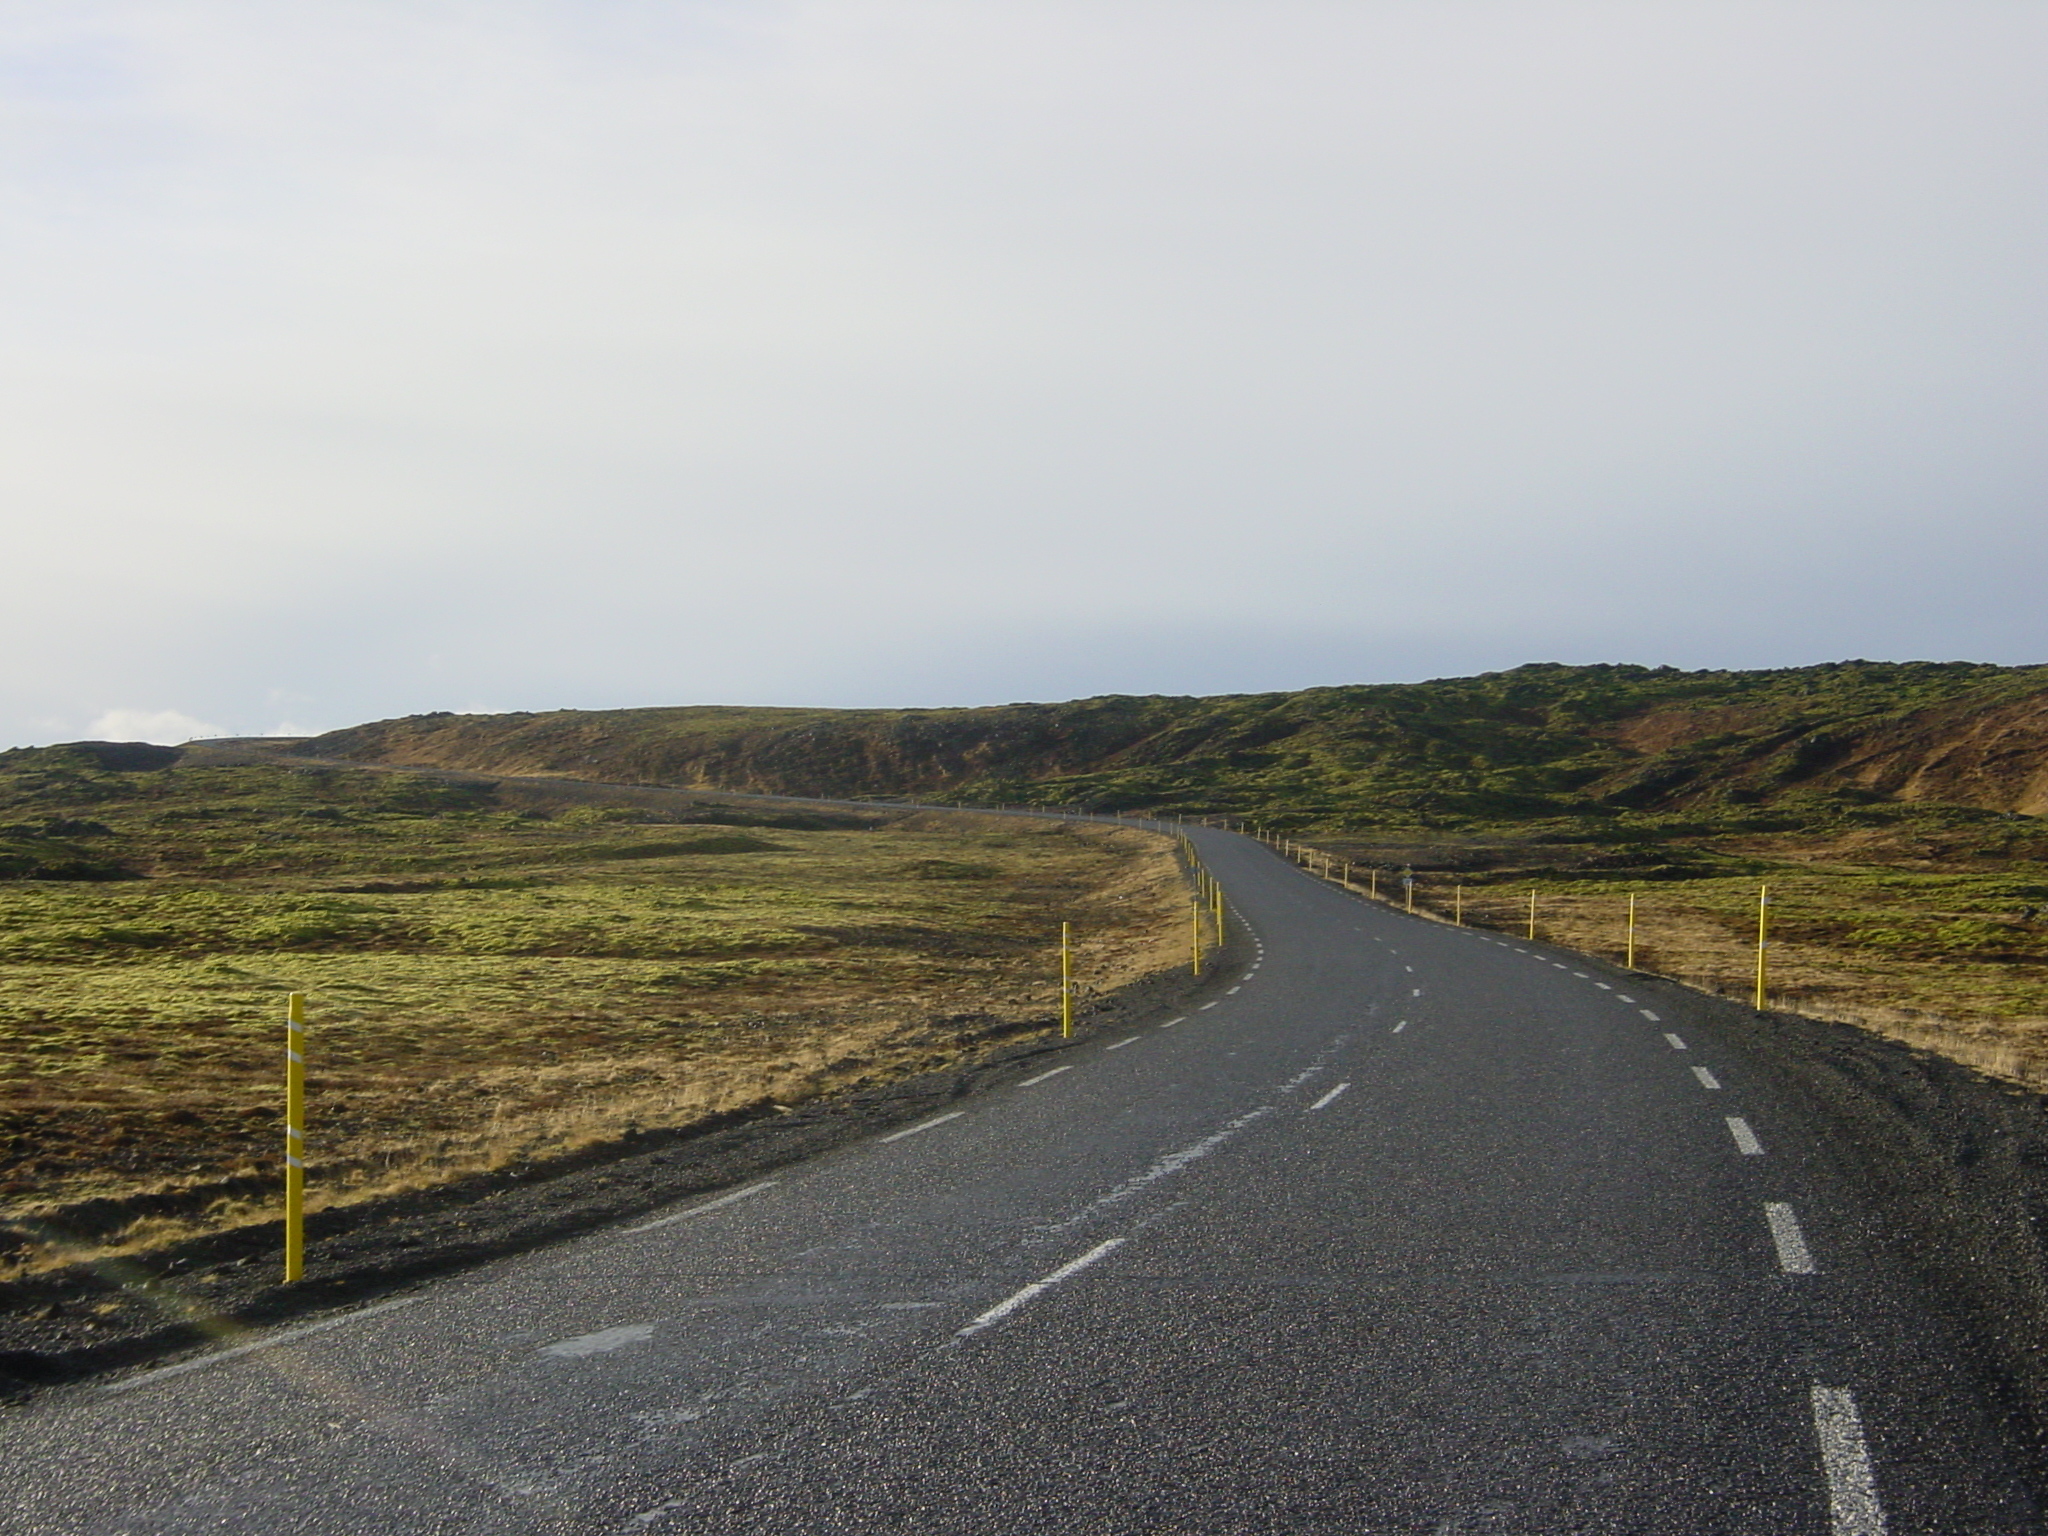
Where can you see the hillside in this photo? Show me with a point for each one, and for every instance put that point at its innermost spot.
(1539, 744)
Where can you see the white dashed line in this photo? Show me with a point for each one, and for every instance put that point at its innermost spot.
(1853, 1508)
(1207, 1006)
(708, 1205)
(1558, 965)
(1674, 1042)
(1055, 1072)
(1409, 969)
(1319, 1103)
(1004, 1308)
(1582, 975)
(1794, 1257)
(1653, 1018)
(1745, 1139)
(1417, 992)
(1122, 1043)
(1624, 997)
(249, 1349)
(1707, 1079)
(1247, 976)
(1603, 986)
(1400, 1026)
(1171, 1022)
(940, 1120)
(1238, 988)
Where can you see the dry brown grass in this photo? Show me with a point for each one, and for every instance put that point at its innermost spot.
(1983, 1008)
(789, 974)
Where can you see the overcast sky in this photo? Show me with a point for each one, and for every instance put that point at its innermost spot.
(366, 357)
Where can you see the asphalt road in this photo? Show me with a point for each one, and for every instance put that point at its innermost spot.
(1411, 1229)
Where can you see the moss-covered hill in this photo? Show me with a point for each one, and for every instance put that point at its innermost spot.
(1542, 744)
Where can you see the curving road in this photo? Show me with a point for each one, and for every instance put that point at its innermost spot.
(1407, 1229)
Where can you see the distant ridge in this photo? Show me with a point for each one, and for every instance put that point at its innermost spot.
(1537, 743)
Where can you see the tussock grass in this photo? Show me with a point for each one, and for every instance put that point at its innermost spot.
(489, 986)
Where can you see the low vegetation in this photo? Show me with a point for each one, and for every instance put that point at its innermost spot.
(1896, 808)
(495, 974)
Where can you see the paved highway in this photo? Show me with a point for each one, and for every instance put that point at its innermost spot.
(1407, 1229)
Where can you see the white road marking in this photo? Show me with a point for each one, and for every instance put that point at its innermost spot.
(1417, 992)
(603, 1342)
(1319, 1103)
(1674, 1042)
(1745, 1139)
(1653, 1018)
(1247, 976)
(1603, 986)
(708, 1205)
(1238, 988)
(286, 1337)
(1055, 1072)
(1624, 997)
(1794, 1257)
(940, 1120)
(1582, 975)
(1557, 965)
(1009, 1304)
(1207, 1006)
(1400, 1026)
(1707, 1079)
(1163, 1167)
(1853, 1509)
(1409, 969)
(1122, 1043)
(1171, 1022)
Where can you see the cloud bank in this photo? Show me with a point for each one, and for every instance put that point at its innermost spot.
(380, 357)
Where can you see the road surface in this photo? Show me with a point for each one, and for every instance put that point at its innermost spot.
(1407, 1228)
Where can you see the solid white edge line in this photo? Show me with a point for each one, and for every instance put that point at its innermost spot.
(1707, 1079)
(1853, 1509)
(1009, 1304)
(699, 1210)
(1055, 1072)
(1745, 1138)
(1794, 1257)
(941, 1120)
(1121, 1044)
(1319, 1103)
(248, 1349)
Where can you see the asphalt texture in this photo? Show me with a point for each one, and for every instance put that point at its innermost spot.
(1410, 1228)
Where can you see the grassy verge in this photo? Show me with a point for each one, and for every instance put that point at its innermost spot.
(1949, 956)
(493, 977)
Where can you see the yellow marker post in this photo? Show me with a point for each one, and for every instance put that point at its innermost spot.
(1631, 947)
(1532, 917)
(1195, 929)
(1408, 884)
(1218, 907)
(1763, 944)
(1458, 905)
(1066, 981)
(1373, 882)
(294, 1136)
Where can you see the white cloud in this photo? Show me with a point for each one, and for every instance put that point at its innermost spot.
(381, 356)
(166, 726)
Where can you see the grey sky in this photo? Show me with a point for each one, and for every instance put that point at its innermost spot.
(393, 355)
